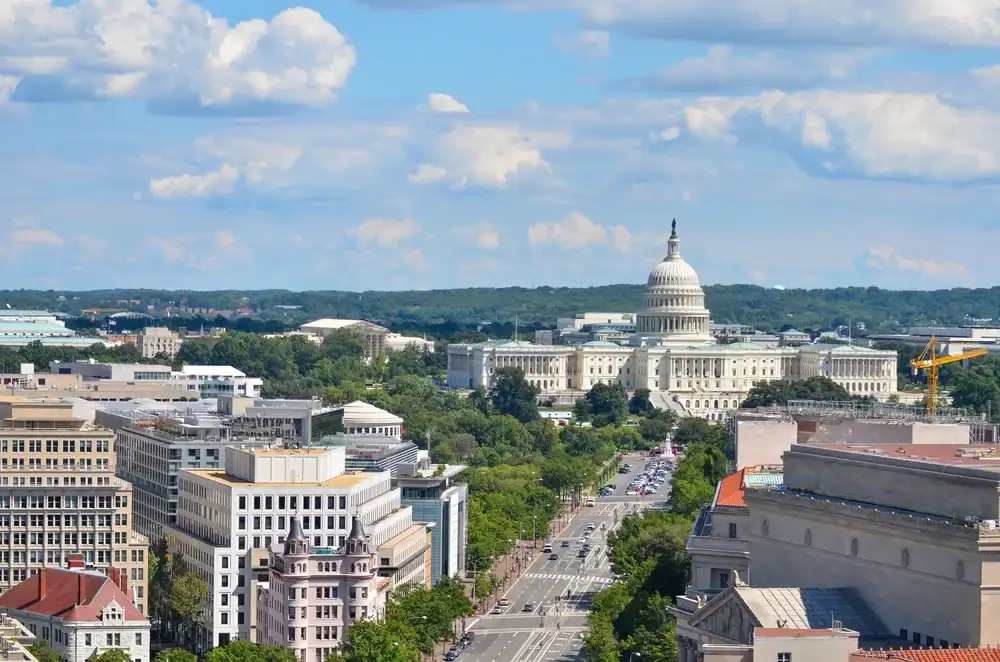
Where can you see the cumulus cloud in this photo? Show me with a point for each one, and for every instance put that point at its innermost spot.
(384, 232)
(886, 257)
(576, 231)
(882, 134)
(482, 235)
(723, 68)
(173, 51)
(218, 182)
(488, 155)
(588, 43)
(445, 103)
(204, 252)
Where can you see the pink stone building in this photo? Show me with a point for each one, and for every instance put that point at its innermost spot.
(314, 594)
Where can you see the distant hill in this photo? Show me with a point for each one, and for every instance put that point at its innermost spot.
(442, 311)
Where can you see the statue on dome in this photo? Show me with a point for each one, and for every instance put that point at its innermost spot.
(673, 228)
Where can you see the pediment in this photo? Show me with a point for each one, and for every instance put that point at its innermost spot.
(727, 617)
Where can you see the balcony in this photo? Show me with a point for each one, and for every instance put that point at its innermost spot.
(718, 545)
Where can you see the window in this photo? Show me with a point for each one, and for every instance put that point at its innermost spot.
(784, 657)
(732, 529)
(87, 640)
(916, 638)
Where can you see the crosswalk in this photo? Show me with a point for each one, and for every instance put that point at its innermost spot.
(548, 575)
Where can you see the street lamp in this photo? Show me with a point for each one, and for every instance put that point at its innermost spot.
(634, 655)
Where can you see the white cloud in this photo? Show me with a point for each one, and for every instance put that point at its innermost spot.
(488, 155)
(576, 231)
(882, 133)
(886, 257)
(426, 174)
(35, 237)
(588, 43)
(445, 103)
(218, 182)
(173, 50)
(723, 68)
(805, 22)
(385, 232)
(482, 235)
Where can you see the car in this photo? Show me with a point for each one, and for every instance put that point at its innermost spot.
(468, 636)
(582, 554)
(553, 556)
(564, 543)
(498, 610)
(528, 607)
(452, 653)
(590, 526)
(583, 541)
(503, 602)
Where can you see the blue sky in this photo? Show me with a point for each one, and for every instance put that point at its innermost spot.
(398, 144)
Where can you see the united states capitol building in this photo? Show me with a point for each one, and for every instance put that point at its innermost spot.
(673, 354)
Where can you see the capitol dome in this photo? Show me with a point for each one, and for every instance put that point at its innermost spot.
(674, 303)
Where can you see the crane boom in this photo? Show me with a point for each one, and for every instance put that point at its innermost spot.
(929, 361)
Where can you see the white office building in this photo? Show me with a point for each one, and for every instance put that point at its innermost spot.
(224, 514)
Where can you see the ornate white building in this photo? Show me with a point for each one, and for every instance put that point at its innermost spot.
(674, 355)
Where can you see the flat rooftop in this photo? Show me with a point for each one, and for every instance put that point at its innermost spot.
(947, 455)
(287, 452)
(344, 480)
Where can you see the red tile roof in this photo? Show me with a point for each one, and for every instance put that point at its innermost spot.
(71, 595)
(731, 491)
(930, 655)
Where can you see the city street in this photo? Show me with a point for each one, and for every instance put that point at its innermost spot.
(559, 591)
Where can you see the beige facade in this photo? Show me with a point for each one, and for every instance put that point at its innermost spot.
(893, 523)
(372, 336)
(59, 496)
(156, 340)
(674, 352)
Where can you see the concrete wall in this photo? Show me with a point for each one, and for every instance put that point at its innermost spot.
(892, 482)
(811, 647)
(836, 431)
(801, 545)
(763, 442)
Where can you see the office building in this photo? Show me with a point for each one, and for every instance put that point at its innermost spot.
(374, 452)
(80, 613)
(157, 341)
(155, 444)
(362, 418)
(200, 381)
(59, 496)
(297, 422)
(444, 504)
(223, 514)
(314, 594)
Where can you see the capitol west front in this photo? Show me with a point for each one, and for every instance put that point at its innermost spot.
(674, 355)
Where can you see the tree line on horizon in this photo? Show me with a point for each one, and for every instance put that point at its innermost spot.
(445, 314)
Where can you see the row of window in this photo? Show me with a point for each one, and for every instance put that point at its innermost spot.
(53, 445)
(70, 502)
(292, 502)
(333, 522)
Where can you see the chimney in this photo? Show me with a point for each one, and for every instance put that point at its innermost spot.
(79, 590)
(42, 574)
(75, 561)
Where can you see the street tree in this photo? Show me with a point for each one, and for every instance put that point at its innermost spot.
(112, 655)
(639, 404)
(43, 651)
(377, 641)
(608, 404)
(188, 593)
(248, 651)
(174, 655)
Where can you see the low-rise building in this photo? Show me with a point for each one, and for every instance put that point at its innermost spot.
(81, 613)
(372, 335)
(314, 594)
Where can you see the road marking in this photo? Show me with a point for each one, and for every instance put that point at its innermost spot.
(546, 575)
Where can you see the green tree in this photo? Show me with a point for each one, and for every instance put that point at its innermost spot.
(43, 651)
(174, 655)
(247, 651)
(608, 404)
(639, 404)
(188, 593)
(112, 655)
(779, 392)
(977, 390)
(511, 394)
(371, 641)
(655, 430)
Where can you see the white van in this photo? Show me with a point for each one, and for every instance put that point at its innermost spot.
(591, 502)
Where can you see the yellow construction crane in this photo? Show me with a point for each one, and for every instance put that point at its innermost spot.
(929, 361)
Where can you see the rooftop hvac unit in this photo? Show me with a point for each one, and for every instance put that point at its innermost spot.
(990, 524)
